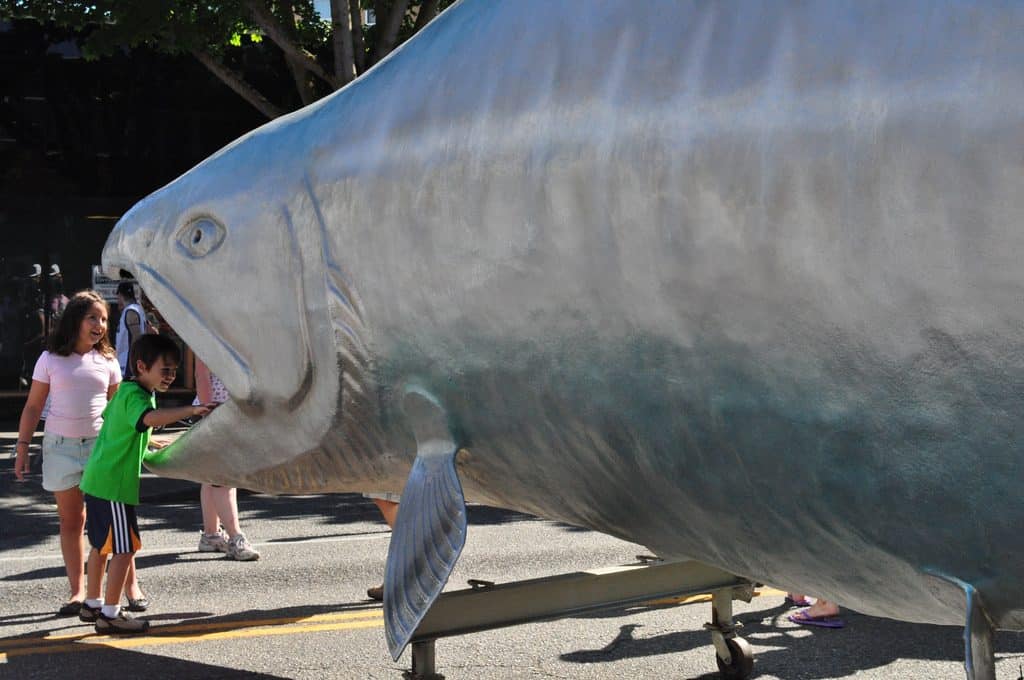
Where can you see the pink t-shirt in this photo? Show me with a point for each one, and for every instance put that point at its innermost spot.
(78, 391)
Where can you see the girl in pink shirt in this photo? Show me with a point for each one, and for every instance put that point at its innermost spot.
(79, 372)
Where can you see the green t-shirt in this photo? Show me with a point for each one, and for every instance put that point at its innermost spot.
(115, 465)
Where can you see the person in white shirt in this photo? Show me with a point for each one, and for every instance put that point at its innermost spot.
(130, 326)
(79, 373)
(221, 530)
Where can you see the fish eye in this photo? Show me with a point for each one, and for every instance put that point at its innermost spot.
(199, 237)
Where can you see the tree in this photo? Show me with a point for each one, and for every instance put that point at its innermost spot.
(319, 55)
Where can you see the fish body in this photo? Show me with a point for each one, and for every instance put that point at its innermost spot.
(740, 282)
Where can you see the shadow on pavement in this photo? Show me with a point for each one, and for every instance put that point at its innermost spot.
(866, 642)
(33, 655)
(40, 654)
(112, 663)
(187, 624)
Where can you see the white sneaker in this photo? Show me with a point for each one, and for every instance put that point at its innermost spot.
(217, 542)
(240, 549)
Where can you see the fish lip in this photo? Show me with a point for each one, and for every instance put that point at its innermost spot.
(112, 268)
(157, 279)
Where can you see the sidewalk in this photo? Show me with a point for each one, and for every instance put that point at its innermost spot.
(154, 489)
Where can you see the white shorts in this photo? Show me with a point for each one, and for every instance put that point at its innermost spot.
(64, 459)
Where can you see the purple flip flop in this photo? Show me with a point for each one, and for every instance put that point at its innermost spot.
(804, 619)
(802, 603)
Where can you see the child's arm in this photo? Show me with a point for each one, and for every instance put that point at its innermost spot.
(165, 416)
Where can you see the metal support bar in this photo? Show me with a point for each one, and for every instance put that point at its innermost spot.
(423, 662)
(721, 626)
(508, 604)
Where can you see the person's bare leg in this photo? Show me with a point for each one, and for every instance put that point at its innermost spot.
(111, 618)
(822, 608)
(211, 522)
(132, 587)
(117, 574)
(71, 511)
(225, 503)
(389, 509)
(799, 599)
(97, 564)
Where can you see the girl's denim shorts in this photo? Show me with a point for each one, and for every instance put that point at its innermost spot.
(64, 459)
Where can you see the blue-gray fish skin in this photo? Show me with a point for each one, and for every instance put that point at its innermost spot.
(739, 281)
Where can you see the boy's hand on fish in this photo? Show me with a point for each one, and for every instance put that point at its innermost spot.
(203, 409)
(159, 442)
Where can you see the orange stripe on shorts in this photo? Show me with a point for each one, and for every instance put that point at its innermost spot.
(108, 545)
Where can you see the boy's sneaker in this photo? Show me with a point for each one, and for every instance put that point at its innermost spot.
(217, 542)
(122, 624)
(239, 549)
(88, 614)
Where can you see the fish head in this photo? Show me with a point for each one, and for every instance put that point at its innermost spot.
(232, 253)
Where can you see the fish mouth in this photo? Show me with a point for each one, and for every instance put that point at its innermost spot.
(223, 359)
(219, 354)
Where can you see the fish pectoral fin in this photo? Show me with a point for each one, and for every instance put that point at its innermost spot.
(430, 530)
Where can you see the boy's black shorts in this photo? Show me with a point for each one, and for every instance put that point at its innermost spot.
(111, 526)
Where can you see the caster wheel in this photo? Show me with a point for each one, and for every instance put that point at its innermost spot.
(742, 664)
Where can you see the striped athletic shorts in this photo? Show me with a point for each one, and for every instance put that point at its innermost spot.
(111, 526)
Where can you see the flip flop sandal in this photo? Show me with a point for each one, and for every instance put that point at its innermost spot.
(139, 605)
(804, 619)
(70, 608)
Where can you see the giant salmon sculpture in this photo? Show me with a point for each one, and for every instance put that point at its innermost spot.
(742, 282)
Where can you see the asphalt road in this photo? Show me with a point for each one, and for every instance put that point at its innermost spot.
(301, 612)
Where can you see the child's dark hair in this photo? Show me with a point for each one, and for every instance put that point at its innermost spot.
(148, 348)
(64, 336)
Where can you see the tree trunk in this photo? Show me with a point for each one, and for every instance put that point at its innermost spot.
(341, 36)
(279, 35)
(386, 37)
(238, 84)
(358, 47)
(302, 83)
(428, 10)
(298, 69)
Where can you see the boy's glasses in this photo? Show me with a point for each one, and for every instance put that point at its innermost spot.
(168, 372)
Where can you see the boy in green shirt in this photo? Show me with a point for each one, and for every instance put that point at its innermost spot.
(110, 480)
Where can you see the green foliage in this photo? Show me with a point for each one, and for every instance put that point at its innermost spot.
(223, 29)
(172, 26)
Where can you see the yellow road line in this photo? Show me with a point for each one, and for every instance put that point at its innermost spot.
(208, 626)
(244, 628)
(97, 642)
